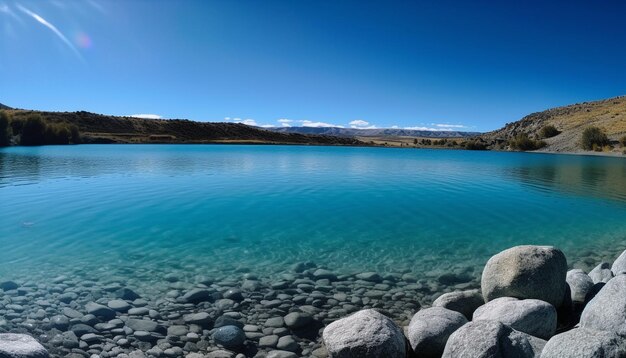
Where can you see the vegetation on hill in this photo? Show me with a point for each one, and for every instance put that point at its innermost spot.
(37, 128)
(5, 129)
(594, 138)
(562, 128)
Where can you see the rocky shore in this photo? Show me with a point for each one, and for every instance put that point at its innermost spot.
(526, 304)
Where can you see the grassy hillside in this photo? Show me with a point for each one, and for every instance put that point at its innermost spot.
(571, 121)
(96, 128)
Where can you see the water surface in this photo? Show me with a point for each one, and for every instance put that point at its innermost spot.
(263, 208)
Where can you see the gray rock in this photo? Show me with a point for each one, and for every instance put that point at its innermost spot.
(607, 310)
(287, 343)
(364, 334)
(274, 322)
(585, 343)
(229, 336)
(464, 302)
(8, 285)
(601, 273)
(220, 354)
(526, 272)
(369, 276)
(60, 322)
(281, 354)
(127, 294)
(534, 317)
(491, 339)
(619, 265)
(234, 294)
(324, 274)
(297, 320)
(268, 341)
(142, 325)
(99, 310)
(197, 295)
(430, 328)
(580, 285)
(119, 305)
(20, 346)
(222, 321)
(200, 318)
(81, 329)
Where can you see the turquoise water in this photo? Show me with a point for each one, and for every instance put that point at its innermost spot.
(227, 208)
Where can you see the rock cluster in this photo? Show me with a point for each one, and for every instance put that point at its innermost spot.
(527, 293)
(525, 297)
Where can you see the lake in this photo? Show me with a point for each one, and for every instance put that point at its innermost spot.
(156, 217)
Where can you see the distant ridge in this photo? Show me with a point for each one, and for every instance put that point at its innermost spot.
(98, 128)
(376, 132)
(2, 106)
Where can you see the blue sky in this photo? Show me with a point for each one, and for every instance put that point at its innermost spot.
(471, 65)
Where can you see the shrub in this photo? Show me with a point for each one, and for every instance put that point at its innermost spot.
(524, 143)
(549, 131)
(475, 145)
(33, 131)
(5, 129)
(594, 137)
(622, 141)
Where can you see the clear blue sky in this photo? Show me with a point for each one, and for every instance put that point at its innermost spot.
(476, 64)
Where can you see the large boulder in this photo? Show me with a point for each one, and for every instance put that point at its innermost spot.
(619, 265)
(229, 336)
(526, 272)
(20, 346)
(607, 310)
(580, 285)
(430, 328)
(601, 273)
(464, 302)
(585, 343)
(535, 317)
(364, 334)
(491, 339)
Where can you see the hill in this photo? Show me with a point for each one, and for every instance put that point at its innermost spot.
(377, 132)
(97, 128)
(609, 115)
(2, 106)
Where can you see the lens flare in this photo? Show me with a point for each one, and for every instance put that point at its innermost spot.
(83, 40)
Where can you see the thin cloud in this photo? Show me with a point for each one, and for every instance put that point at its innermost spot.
(52, 28)
(444, 125)
(146, 116)
(418, 128)
(361, 124)
(307, 123)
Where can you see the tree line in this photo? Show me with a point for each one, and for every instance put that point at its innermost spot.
(34, 130)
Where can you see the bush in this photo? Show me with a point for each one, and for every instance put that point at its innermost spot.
(593, 138)
(622, 141)
(475, 145)
(5, 129)
(549, 131)
(524, 143)
(33, 131)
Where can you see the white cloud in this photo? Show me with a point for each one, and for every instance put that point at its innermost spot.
(394, 127)
(284, 120)
(307, 123)
(146, 116)
(267, 126)
(417, 128)
(52, 28)
(444, 125)
(361, 124)
(249, 122)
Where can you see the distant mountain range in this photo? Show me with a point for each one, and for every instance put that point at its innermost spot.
(98, 128)
(378, 132)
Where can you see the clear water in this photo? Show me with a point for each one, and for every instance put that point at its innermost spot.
(227, 208)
